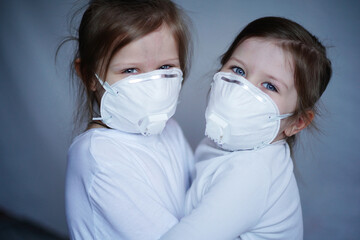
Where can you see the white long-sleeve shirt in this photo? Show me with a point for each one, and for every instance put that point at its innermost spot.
(242, 194)
(126, 186)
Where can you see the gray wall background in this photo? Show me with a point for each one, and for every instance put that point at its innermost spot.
(36, 105)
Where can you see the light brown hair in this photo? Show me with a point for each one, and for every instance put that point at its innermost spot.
(312, 68)
(109, 25)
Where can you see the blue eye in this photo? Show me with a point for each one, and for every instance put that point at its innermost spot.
(269, 86)
(165, 67)
(130, 70)
(238, 70)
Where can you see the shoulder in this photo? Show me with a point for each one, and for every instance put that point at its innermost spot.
(80, 146)
(240, 169)
(85, 142)
(102, 156)
(80, 158)
(260, 169)
(251, 168)
(94, 146)
(264, 158)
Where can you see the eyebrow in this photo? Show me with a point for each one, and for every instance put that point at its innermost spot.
(237, 60)
(172, 59)
(131, 64)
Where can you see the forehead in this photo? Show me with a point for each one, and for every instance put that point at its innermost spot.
(157, 44)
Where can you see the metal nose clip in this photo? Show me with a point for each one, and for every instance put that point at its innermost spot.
(169, 75)
(232, 81)
(159, 76)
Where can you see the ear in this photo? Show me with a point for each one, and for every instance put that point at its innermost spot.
(77, 63)
(299, 124)
(77, 66)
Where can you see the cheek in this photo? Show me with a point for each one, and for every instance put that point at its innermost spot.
(279, 101)
(286, 103)
(291, 102)
(112, 78)
(111, 81)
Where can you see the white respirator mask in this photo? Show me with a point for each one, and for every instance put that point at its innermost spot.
(240, 116)
(141, 103)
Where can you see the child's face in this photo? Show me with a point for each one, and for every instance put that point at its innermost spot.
(268, 67)
(157, 50)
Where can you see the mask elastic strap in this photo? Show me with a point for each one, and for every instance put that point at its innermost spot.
(106, 86)
(101, 118)
(279, 117)
(110, 90)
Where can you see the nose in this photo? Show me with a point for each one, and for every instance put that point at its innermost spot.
(253, 79)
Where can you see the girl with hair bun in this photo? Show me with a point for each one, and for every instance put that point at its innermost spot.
(266, 92)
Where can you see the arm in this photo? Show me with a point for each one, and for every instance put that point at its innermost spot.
(231, 206)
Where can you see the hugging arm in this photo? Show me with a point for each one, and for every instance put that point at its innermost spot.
(231, 206)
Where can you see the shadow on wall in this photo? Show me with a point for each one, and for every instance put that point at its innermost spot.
(16, 229)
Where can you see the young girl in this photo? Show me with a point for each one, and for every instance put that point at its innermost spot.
(265, 93)
(128, 173)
